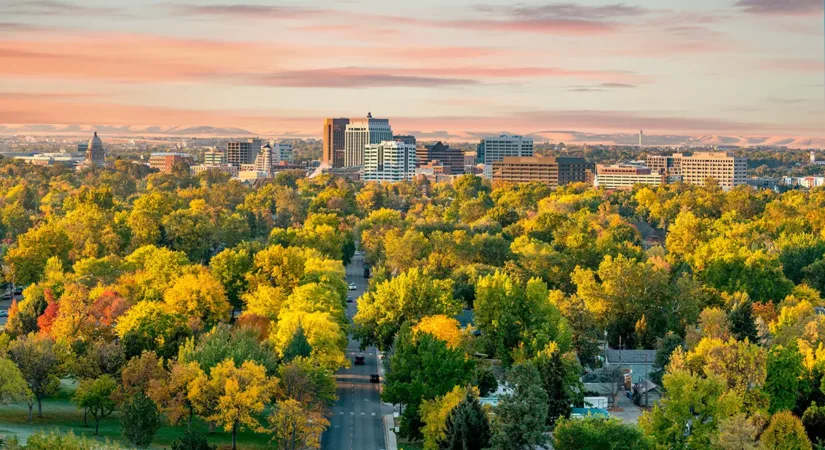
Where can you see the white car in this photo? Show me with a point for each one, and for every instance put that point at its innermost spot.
(4, 313)
(352, 287)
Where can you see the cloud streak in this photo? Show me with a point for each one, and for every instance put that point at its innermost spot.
(780, 7)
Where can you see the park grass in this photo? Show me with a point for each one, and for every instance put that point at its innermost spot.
(61, 415)
(410, 445)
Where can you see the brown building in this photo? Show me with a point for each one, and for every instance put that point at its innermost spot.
(545, 169)
(451, 158)
(334, 140)
(165, 162)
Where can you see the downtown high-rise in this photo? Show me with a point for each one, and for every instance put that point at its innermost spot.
(360, 133)
(334, 142)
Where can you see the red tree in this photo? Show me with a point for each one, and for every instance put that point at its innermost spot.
(46, 320)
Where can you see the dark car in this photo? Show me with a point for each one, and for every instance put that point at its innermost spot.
(359, 360)
(374, 378)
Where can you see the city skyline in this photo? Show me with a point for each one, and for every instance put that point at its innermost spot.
(458, 72)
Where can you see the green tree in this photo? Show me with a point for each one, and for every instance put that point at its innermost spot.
(664, 348)
(740, 317)
(422, 368)
(95, 396)
(230, 268)
(27, 261)
(410, 296)
(225, 342)
(782, 383)
(785, 432)
(560, 380)
(467, 426)
(814, 421)
(13, 387)
(140, 420)
(689, 414)
(39, 362)
(597, 433)
(298, 347)
(486, 381)
(509, 313)
(192, 440)
(815, 275)
(521, 416)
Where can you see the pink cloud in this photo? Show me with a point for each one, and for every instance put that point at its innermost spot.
(40, 109)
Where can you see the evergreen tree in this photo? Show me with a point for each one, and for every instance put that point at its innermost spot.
(467, 426)
(140, 420)
(557, 381)
(740, 318)
(298, 347)
(522, 415)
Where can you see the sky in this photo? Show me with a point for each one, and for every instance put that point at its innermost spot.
(452, 69)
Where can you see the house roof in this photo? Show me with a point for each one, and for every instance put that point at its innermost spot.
(630, 356)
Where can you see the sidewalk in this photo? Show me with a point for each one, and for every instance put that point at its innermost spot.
(389, 434)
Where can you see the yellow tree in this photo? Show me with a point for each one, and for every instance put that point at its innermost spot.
(434, 414)
(170, 393)
(264, 301)
(441, 327)
(233, 397)
(325, 335)
(293, 426)
(72, 320)
(199, 296)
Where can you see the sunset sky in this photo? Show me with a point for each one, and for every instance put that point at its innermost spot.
(454, 68)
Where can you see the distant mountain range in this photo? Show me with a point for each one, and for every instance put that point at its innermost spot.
(554, 136)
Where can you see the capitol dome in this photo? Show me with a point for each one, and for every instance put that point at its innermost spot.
(95, 152)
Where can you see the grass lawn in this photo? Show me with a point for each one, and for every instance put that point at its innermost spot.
(60, 414)
(408, 445)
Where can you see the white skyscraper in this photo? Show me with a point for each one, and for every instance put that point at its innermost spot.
(496, 148)
(361, 133)
(389, 161)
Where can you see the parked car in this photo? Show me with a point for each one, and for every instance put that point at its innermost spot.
(352, 287)
(349, 299)
(4, 313)
(7, 296)
(359, 360)
(374, 378)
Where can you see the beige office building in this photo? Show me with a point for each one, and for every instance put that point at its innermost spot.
(626, 176)
(727, 169)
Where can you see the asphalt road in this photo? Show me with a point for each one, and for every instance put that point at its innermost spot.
(356, 422)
